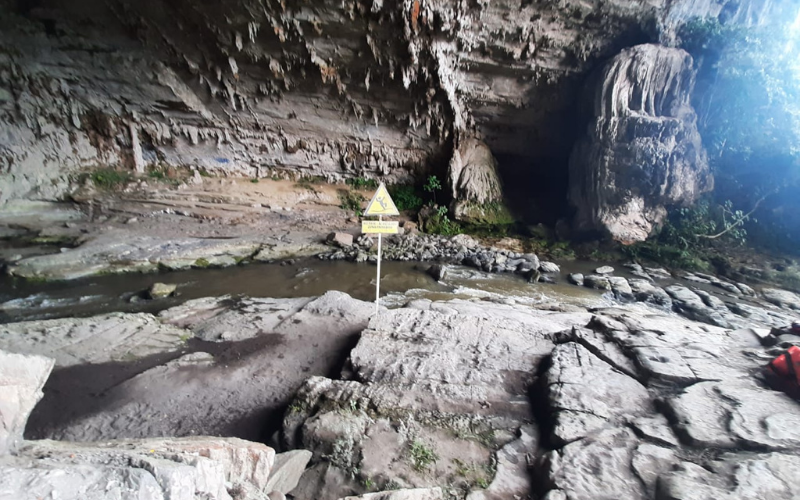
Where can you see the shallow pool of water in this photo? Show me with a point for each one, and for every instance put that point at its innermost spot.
(401, 281)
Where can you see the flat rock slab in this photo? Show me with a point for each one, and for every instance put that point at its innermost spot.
(737, 414)
(454, 356)
(118, 252)
(450, 376)
(587, 394)
(675, 351)
(99, 339)
(736, 477)
(230, 390)
(610, 464)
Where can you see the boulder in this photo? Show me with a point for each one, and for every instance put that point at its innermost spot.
(465, 240)
(21, 380)
(409, 227)
(576, 279)
(437, 272)
(642, 150)
(782, 298)
(646, 291)
(691, 304)
(286, 471)
(597, 282)
(621, 288)
(604, 270)
(161, 290)
(549, 267)
(343, 240)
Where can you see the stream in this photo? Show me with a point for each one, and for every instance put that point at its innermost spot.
(22, 300)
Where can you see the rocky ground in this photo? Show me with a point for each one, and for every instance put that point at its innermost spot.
(455, 399)
(657, 395)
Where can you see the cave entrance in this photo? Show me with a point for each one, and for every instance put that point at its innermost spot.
(535, 189)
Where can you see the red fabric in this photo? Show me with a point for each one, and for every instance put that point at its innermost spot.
(779, 364)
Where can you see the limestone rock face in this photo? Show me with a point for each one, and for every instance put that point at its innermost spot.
(642, 151)
(247, 88)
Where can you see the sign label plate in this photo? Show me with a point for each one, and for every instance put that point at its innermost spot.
(380, 227)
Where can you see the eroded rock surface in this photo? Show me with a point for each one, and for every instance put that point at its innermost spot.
(642, 151)
(231, 389)
(485, 401)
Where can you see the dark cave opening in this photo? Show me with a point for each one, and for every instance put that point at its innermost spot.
(535, 189)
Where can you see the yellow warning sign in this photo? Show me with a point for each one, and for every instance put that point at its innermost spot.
(381, 203)
(380, 227)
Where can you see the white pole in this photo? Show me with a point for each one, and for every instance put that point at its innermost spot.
(378, 281)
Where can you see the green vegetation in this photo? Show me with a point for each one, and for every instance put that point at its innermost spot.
(692, 238)
(362, 183)
(406, 197)
(310, 182)
(421, 456)
(201, 263)
(747, 100)
(163, 173)
(368, 483)
(106, 178)
(156, 174)
(296, 407)
(351, 201)
(344, 456)
(491, 214)
(63, 241)
(432, 185)
(477, 475)
(440, 223)
(254, 180)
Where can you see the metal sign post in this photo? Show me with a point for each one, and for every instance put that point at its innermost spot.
(380, 205)
(378, 280)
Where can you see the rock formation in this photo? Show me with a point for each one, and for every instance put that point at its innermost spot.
(335, 89)
(476, 187)
(642, 151)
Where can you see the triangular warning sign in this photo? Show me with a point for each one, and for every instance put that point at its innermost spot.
(381, 203)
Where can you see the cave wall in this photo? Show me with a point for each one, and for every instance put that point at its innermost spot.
(333, 88)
